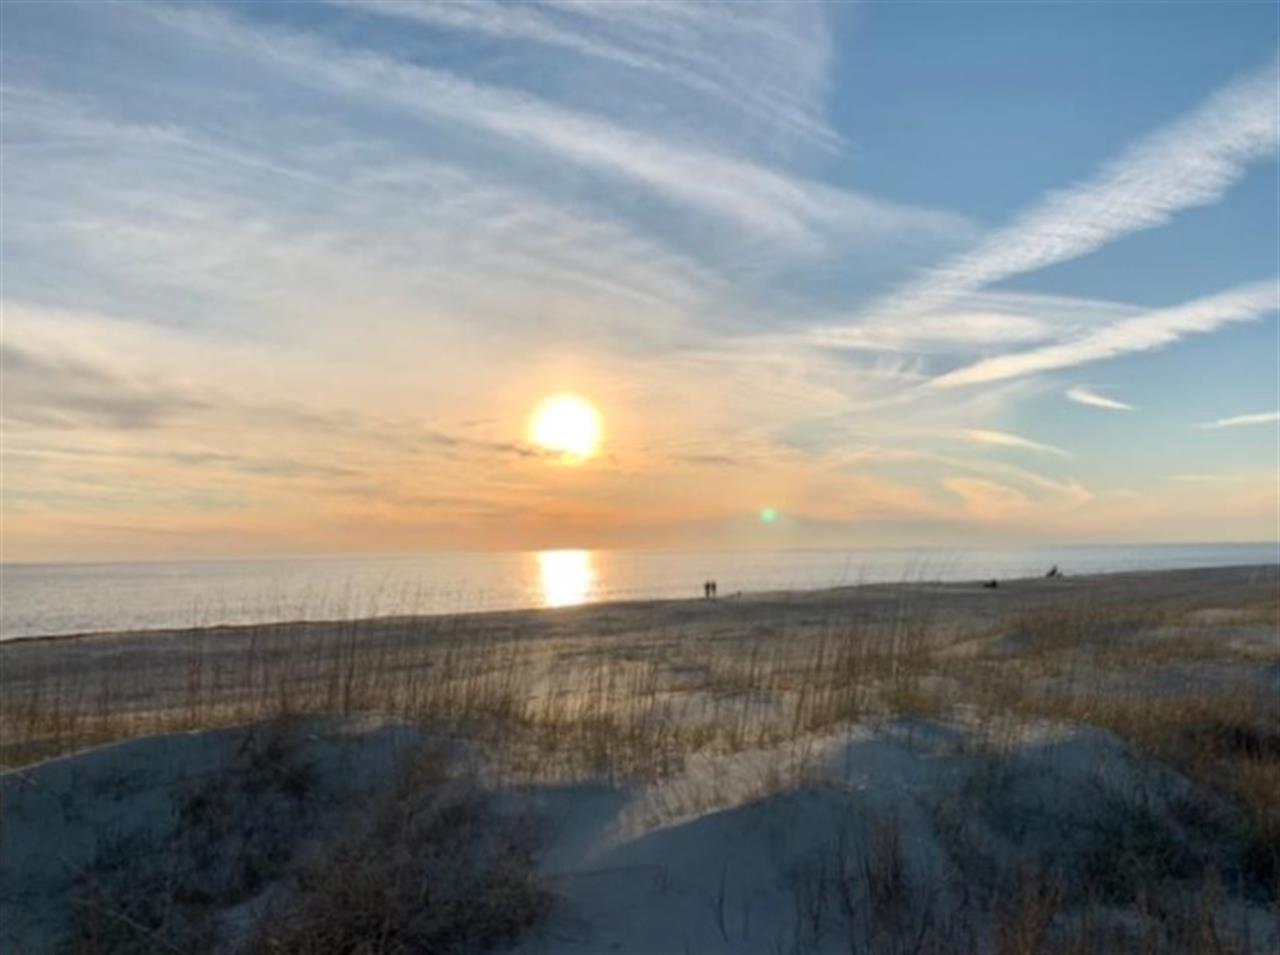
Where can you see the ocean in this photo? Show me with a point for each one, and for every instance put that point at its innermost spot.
(46, 599)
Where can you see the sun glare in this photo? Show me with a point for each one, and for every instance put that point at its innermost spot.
(566, 577)
(567, 425)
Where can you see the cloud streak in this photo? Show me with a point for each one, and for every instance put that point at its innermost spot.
(954, 330)
(297, 276)
(128, 208)
(63, 393)
(1003, 439)
(1243, 420)
(1085, 396)
(1190, 163)
(682, 44)
(738, 192)
(1154, 330)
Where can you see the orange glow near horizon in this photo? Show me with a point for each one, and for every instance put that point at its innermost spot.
(568, 426)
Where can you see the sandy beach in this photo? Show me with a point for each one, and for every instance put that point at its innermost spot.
(152, 669)
(859, 769)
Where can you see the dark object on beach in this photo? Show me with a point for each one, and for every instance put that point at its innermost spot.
(1054, 572)
(991, 584)
(709, 589)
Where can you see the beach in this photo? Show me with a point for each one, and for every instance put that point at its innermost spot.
(832, 770)
(155, 664)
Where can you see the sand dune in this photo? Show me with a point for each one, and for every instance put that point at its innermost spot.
(1084, 764)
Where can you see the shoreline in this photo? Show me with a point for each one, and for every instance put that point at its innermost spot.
(1049, 549)
(1037, 588)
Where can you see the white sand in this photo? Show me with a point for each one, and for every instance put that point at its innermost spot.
(714, 860)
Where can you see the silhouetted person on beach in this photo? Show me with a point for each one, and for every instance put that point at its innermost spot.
(706, 589)
(714, 588)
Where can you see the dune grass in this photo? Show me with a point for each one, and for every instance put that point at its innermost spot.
(1175, 684)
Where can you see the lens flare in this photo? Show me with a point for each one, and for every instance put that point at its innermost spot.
(768, 515)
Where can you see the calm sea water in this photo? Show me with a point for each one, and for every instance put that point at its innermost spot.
(38, 599)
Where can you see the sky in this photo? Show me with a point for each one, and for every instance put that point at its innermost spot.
(290, 278)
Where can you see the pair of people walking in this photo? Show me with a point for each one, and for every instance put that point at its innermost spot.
(709, 589)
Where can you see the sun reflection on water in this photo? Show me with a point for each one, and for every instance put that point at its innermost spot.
(565, 576)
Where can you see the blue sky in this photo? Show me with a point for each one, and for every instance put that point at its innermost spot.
(291, 277)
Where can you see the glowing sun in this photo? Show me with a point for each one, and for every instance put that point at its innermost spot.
(567, 425)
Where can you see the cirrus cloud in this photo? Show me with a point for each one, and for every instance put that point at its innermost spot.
(1086, 396)
(1243, 420)
(1003, 439)
(1190, 163)
(1156, 329)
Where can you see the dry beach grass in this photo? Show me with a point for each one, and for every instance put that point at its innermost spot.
(1088, 764)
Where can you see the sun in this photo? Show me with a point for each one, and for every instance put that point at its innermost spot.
(568, 426)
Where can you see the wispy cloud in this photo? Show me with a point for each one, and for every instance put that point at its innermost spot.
(979, 321)
(774, 58)
(987, 499)
(687, 45)
(1190, 163)
(524, 22)
(1086, 396)
(1243, 420)
(58, 392)
(1156, 329)
(952, 331)
(131, 210)
(1003, 439)
(298, 275)
(732, 189)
